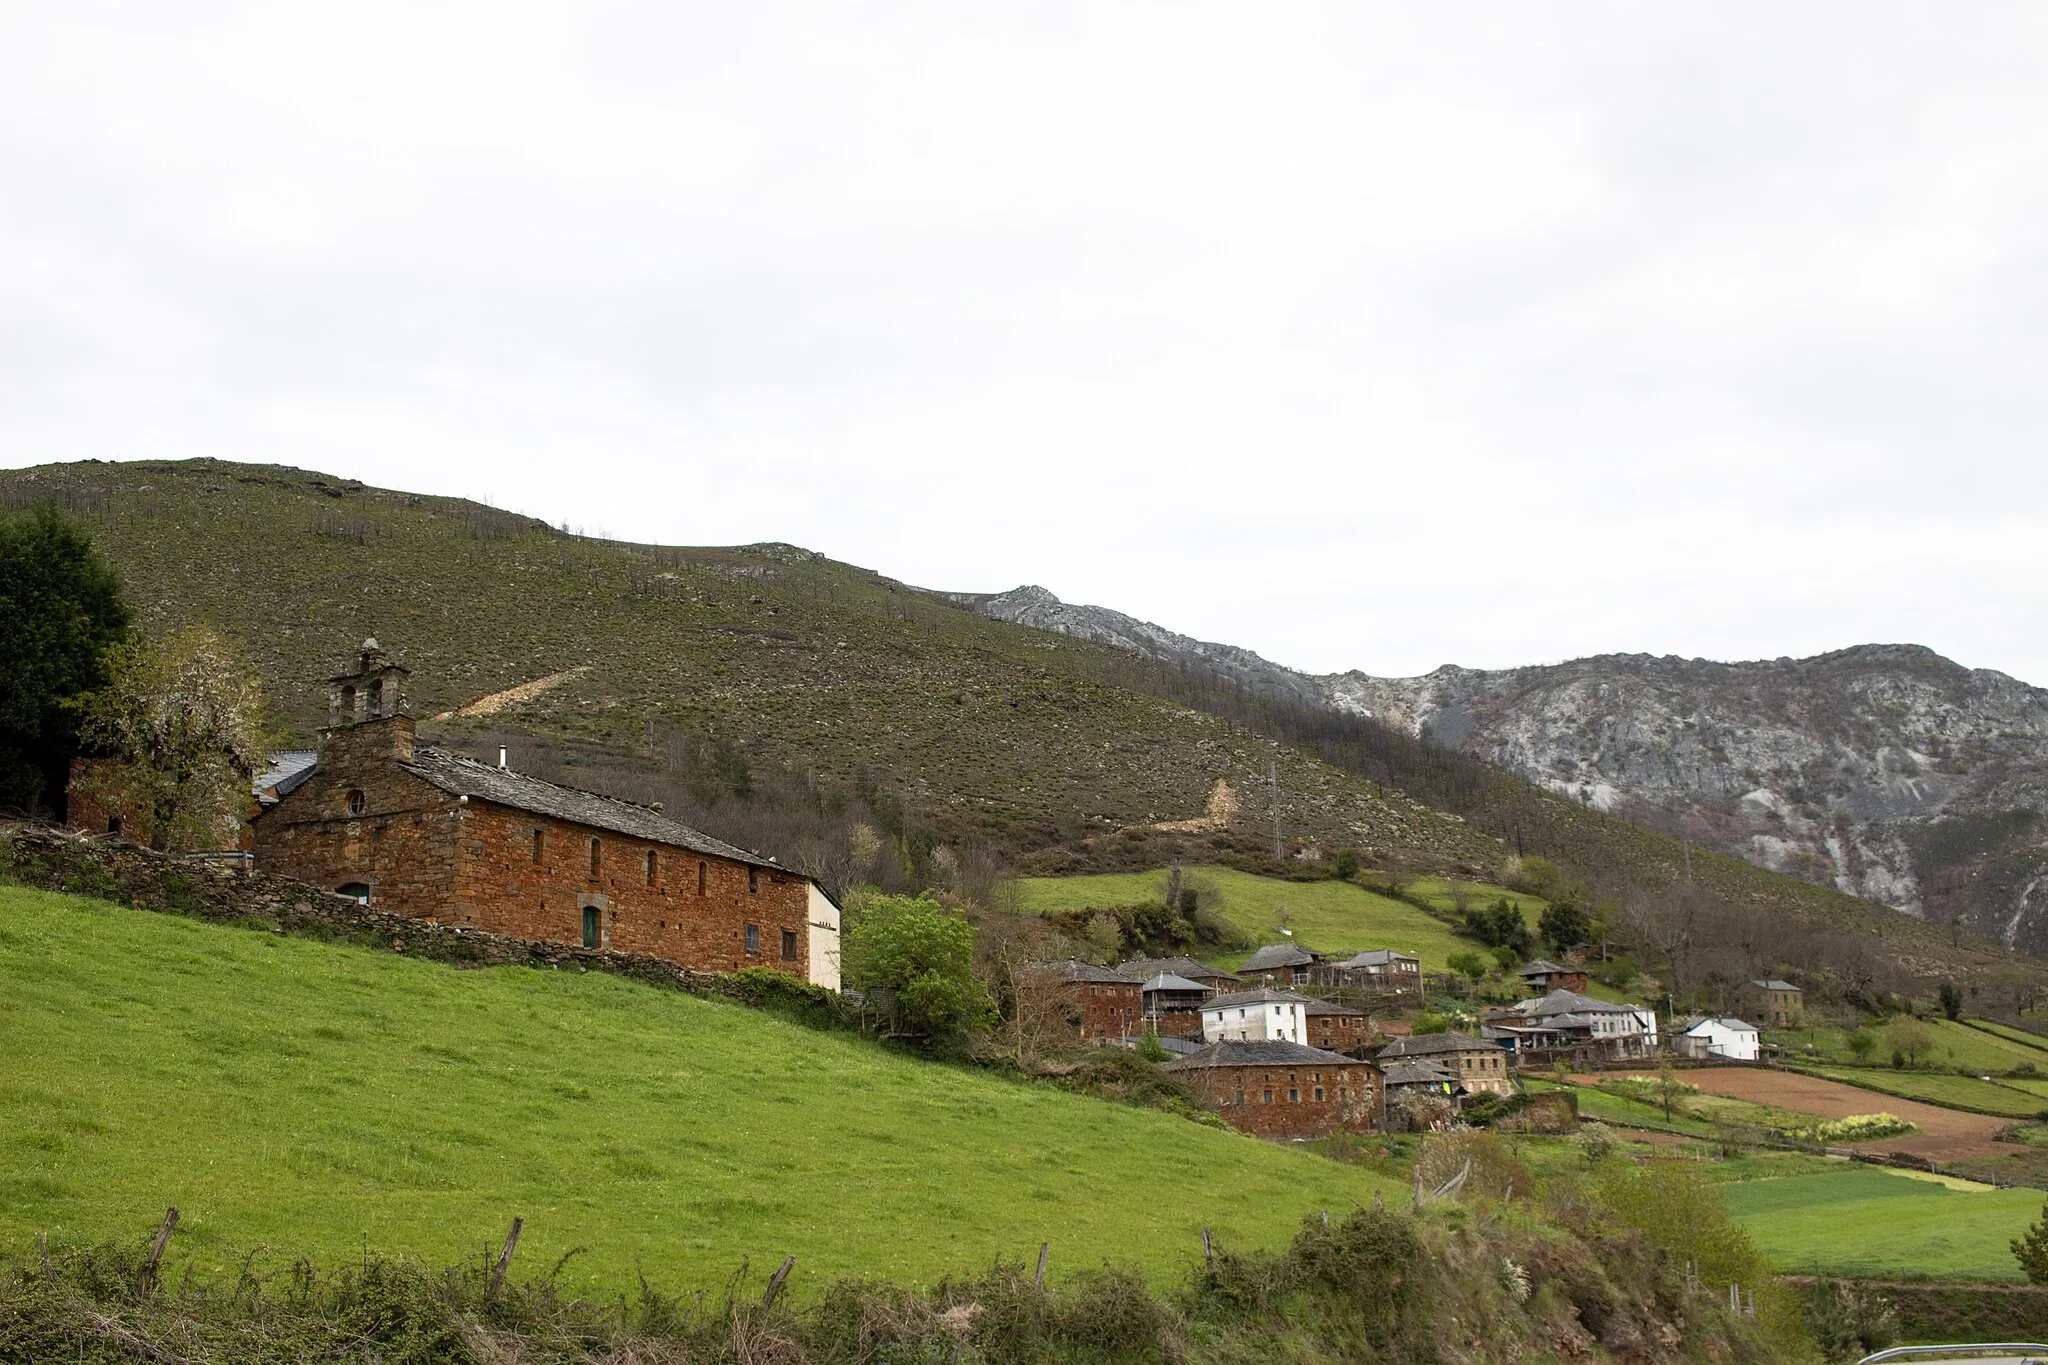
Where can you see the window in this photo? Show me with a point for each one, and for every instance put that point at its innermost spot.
(377, 697)
(753, 938)
(1240, 1097)
(700, 879)
(1319, 1094)
(357, 802)
(789, 945)
(594, 846)
(753, 880)
(590, 926)
(651, 866)
(1269, 1097)
(538, 835)
(356, 891)
(1294, 1097)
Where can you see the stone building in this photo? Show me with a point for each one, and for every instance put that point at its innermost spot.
(1545, 976)
(1145, 968)
(1481, 1067)
(423, 832)
(1257, 1014)
(1337, 1028)
(1105, 1006)
(1280, 964)
(1277, 1089)
(1773, 1002)
(1173, 1005)
(1379, 971)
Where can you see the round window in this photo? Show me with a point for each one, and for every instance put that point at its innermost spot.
(357, 802)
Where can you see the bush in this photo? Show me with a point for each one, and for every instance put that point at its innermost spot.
(1848, 1322)
(1856, 1128)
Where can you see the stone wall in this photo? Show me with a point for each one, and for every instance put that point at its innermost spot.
(1339, 1032)
(1106, 1010)
(1281, 1102)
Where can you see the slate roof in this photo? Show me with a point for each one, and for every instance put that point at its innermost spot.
(1257, 997)
(1143, 968)
(1378, 957)
(459, 776)
(1562, 1001)
(1774, 985)
(1543, 966)
(1258, 1052)
(1179, 1047)
(1326, 1007)
(1418, 1073)
(287, 772)
(1073, 969)
(1278, 955)
(1431, 1044)
(1167, 981)
(1731, 1024)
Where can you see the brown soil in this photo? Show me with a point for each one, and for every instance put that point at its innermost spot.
(1945, 1134)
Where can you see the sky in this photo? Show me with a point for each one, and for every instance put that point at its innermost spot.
(1374, 336)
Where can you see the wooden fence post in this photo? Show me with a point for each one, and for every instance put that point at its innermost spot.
(146, 1281)
(1208, 1251)
(775, 1281)
(43, 1250)
(1044, 1249)
(504, 1259)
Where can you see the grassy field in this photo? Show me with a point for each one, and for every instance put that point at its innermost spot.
(1329, 916)
(1955, 1044)
(1863, 1221)
(1937, 1088)
(312, 1098)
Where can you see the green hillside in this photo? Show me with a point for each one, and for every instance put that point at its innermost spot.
(312, 1098)
(1863, 1221)
(1060, 754)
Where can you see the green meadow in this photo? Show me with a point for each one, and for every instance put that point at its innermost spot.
(1329, 916)
(312, 1099)
(1870, 1222)
(1971, 1046)
(1937, 1087)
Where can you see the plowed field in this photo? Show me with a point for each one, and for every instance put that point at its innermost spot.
(1945, 1134)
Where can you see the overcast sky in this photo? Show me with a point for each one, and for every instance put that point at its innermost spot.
(1367, 336)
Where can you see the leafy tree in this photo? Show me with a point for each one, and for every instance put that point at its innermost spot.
(1347, 865)
(1468, 963)
(1499, 925)
(60, 612)
(1667, 1089)
(1433, 1021)
(1505, 958)
(922, 954)
(1861, 1044)
(1909, 1038)
(2031, 1250)
(185, 720)
(1565, 923)
(1951, 1000)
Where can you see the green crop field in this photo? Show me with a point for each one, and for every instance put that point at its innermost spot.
(1939, 1088)
(2026, 1042)
(312, 1098)
(1862, 1221)
(1328, 916)
(1955, 1044)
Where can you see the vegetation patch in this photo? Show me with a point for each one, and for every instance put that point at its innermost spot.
(1869, 1222)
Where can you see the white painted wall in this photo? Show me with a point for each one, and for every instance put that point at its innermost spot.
(824, 919)
(1737, 1045)
(1239, 1023)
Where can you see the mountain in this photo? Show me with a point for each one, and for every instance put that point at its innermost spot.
(1885, 771)
(859, 727)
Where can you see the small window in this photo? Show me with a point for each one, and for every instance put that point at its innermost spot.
(1319, 1094)
(377, 697)
(1240, 1097)
(358, 802)
(595, 846)
(539, 837)
(1294, 1097)
(789, 945)
(356, 891)
(652, 866)
(753, 938)
(700, 879)
(753, 880)
(1269, 1098)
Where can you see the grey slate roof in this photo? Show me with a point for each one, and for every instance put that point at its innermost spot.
(460, 776)
(1733, 1025)
(1179, 1047)
(1073, 969)
(1326, 1007)
(1562, 1001)
(1279, 955)
(1143, 968)
(1431, 1044)
(1167, 981)
(1258, 1052)
(1774, 985)
(1377, 957)
(1542, 966)
(1418, 1073)
(1257, 997)
(287, 772)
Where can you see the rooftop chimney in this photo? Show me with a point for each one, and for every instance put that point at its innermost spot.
(503, 766)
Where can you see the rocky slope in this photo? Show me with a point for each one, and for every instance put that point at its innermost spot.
(1886, 771)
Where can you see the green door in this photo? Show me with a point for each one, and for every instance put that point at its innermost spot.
(590, 926)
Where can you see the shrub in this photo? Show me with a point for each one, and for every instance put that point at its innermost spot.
(1856, 1128)
(1848, 1322)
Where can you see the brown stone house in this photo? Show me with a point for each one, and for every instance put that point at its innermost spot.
(1480, 1066)
(1105, 1006)
(1145, 968)
(1337, 1028)
(1544, 976)
(1277, 1089)
(1773, 1002)
(1173, 1005)
(1280, 964)
(421, 831)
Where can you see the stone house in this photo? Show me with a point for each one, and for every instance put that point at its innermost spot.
(1173, 1005)
(1105, 1006)
(1337, 1028)
(1776, 1003)
(1281, 964)
(1479, 1066)
(1544, 976)
(1420, 1094)
(1284, 1090)
(1379, 971)
(1568, 1021)
(424, 832)
(1145, 968)
(1255, 1016)
(1718, 1037)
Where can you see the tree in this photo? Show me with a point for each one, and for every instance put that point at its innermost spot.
(1500, 925)
(1347, 865)
(1505, 958)
(922, 954)
(184, 719)
(2031, 1250)
(1564, 923)
(1861, 1044)
(1468, 963)
(60, 612)
(1909, 1038)
(1951, 1000)
(1668, 1088)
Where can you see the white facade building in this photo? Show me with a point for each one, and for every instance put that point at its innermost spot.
(1251, 1016)
(1729, 1038)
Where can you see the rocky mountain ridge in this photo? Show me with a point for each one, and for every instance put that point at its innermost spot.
(1886, 771)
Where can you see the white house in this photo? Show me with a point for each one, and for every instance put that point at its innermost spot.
(1729, 1038)
(1255, 1015)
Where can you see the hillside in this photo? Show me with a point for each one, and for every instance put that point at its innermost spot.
(692, 675)
(305, 1096)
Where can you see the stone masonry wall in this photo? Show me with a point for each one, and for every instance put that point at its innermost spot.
(1108, 1011)
(1280, 1102)
(402, 845)
(1339, 1032)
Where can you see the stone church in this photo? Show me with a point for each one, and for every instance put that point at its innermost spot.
(422, 831)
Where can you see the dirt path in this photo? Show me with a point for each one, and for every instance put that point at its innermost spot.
(1945, 1134)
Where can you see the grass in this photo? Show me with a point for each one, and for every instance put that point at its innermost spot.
(1965, 1092)
(1869, 1222)
(314, 1098)
(1955, 1044)
(1330, 916)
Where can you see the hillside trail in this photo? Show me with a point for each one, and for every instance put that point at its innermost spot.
(1945, 1135)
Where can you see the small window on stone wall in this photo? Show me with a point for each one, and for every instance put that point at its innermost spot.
(357, 802)
(113, 824)
(538, 838)
(594, 847)
(753, 880)
(753, 938)
(377, 697)
(789, 945)
(651, 866)
(700, 879)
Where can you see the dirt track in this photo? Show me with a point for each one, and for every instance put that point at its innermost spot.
(1945, 1134)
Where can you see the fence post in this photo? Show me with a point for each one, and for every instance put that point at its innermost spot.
(775, 1282)
(504, 1260)
(146, 1281)
(1044, 1249)
(1208, 1251)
